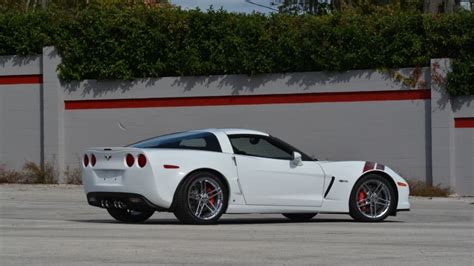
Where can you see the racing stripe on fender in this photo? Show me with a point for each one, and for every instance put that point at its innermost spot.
(380, 167)
(368, 166)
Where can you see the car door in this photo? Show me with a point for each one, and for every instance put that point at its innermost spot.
(268, 175)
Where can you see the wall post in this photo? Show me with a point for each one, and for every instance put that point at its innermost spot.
(442, 129)
(53, 112)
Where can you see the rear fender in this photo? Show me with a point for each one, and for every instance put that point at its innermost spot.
(183, 163)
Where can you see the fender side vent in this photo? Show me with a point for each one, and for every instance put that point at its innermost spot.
(330, 186)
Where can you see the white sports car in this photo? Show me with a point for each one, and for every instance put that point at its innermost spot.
(201, 174)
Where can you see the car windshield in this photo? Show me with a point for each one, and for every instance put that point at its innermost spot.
(182, 140)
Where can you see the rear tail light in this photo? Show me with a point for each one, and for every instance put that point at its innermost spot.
(141, 160)
(86, 160)
(130, 160)
(93, 160)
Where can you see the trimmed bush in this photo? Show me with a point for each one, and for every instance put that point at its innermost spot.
(421, 189)
(126, 42)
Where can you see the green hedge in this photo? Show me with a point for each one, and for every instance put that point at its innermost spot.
(117, 42)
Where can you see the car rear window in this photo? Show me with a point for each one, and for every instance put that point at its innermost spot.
(184, 140)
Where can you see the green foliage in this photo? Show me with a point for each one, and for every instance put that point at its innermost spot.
(118, 41)
(461, 79)
(26, 5)
(24, 34)
(461, 36)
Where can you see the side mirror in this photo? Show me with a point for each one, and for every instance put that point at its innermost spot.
(297, 159)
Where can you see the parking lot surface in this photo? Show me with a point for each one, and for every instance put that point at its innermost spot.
(53, 225)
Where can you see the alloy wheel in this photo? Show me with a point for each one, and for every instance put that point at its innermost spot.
(373, 199)
(205, 198)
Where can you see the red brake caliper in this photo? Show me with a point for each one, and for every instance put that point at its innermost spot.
(213, 199)
(361, 197)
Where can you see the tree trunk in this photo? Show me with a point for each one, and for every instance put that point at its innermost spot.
(449, 6)
(336, 5)
(440, 6)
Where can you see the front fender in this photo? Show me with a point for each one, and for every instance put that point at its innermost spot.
(347, 173)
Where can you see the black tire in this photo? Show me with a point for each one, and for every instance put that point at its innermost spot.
(188, 198)
(130, 216)
(299, 217)
(361, 208)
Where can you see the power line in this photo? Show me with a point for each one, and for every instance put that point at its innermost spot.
(260, 5)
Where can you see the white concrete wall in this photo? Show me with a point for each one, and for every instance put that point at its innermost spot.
(20, 121)
(391, 132)
(415, 135)
(463, 107)
(365, 131)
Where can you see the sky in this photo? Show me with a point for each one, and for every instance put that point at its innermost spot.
(229, 5)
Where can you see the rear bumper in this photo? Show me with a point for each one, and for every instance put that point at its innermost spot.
(139, 181)
(121, 200)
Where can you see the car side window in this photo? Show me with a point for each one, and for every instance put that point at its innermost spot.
(193, 143)
(205, 143)
(260, 146)
(188, 141)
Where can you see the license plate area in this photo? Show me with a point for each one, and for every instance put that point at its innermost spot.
(109, 177)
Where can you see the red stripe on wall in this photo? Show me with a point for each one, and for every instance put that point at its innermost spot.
(326, 97)
(21, 79)
(464, 122)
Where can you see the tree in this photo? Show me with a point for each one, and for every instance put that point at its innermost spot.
(317, 7)
(68, 4)
(314, 7)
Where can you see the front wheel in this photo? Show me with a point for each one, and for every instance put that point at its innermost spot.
(130, 216)
(299, 217)
(372, 199)
(201, 199)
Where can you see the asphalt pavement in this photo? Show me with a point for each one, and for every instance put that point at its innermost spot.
(53, 225)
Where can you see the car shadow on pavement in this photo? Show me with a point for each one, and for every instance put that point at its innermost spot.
(225, 221)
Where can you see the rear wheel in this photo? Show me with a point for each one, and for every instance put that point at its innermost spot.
(372, 199)
(130, 216)
(299, 217)
(201, 199)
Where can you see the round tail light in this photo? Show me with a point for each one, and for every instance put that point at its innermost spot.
(86, 160)
(141, 160)
(130, 160)
(93, 160)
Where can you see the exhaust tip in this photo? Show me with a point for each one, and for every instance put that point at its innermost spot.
(118, 204)
(135, 200)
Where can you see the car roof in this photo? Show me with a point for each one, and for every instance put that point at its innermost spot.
(234, 131)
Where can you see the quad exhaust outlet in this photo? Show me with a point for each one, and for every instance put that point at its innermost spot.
(115, 204)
